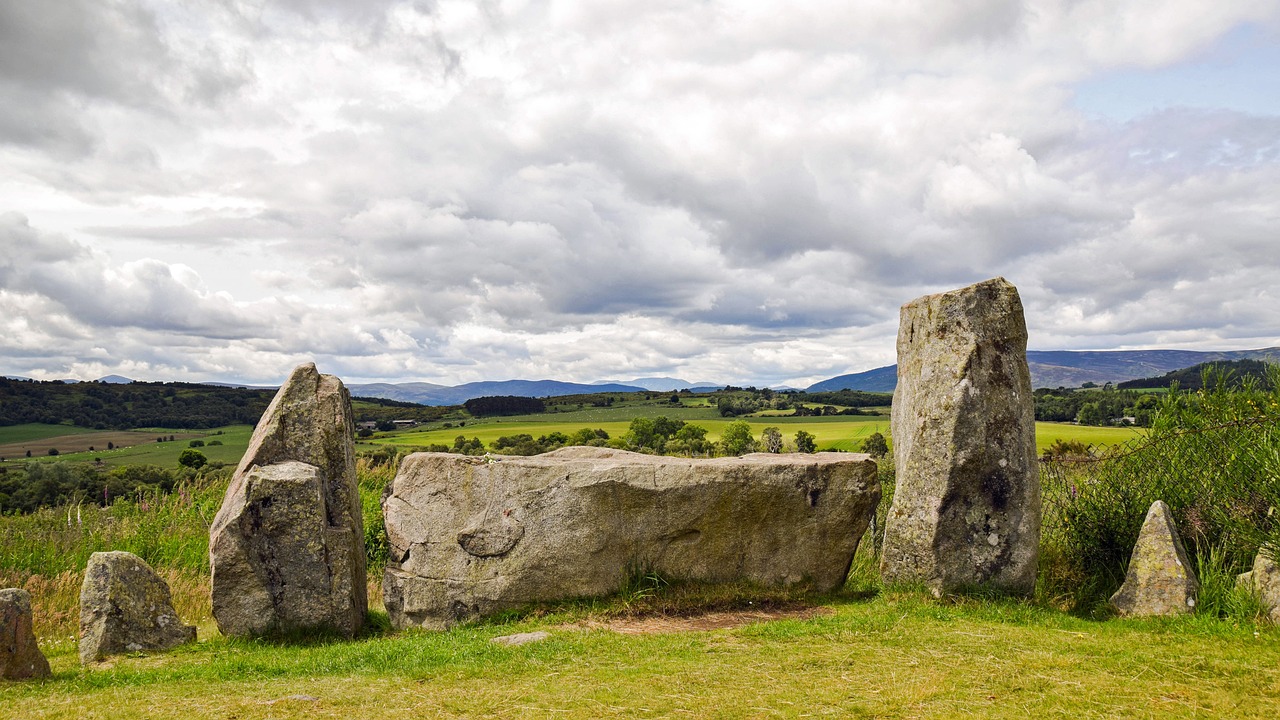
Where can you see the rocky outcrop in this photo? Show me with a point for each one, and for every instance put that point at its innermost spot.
(287, 546)
(20, 656)
(126, 607)
(1159, 580)
(966, 508)
(1264, 579)
(470, 536)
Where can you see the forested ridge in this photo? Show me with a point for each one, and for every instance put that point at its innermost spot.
(105, 406)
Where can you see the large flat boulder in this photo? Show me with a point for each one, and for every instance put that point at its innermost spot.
(287, 545)
(966, 507)
(471, 536)
(1159, 580)
(126, 607)
(20, 656)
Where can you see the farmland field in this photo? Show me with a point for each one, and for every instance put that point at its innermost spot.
(839, 432)
(132, 447)
(137, 447)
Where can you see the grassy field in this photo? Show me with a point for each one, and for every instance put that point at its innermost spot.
(840, 432)
(133, 447)
(837, 432)
(15, 434)
(867, 653)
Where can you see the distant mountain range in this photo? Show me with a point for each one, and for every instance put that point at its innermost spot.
(1070, 368)
(663, 384)
(431, 394)
(1049, 368)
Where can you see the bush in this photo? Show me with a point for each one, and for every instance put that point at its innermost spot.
(192, 458)
(1213, 456)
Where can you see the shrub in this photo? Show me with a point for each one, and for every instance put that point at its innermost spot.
(1213, 456)
(192, 458)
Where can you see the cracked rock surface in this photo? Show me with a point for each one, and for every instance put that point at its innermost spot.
(966, 506)
(472, 536)
(126, 607)
(287, 546)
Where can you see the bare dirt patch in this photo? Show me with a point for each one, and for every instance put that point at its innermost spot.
(713, 620)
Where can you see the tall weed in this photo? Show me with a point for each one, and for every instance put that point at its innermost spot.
(1213, 456)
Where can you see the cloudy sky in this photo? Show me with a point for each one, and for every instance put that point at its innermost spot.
(715, 190)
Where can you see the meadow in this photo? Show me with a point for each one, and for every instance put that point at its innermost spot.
(651, 650)
(132, 447)
(840, 432)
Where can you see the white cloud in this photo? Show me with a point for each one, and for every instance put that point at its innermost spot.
(454, 191)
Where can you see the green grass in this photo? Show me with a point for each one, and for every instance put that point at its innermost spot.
(234, 439)
(838, 432)
(36, 431)
(892, 655)
(1049, 432)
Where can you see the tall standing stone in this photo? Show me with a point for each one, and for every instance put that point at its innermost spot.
(20, 656)
(1159, 580)
(126, 607)
(287, 546)
(966, 508)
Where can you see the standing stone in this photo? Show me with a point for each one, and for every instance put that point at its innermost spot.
(20, 656)
(966, 508)
(126, 607)
(1159, 580)
(1264, 579)
(470, 537)
(287, 546)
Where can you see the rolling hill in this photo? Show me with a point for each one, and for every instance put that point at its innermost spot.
(1070, 368)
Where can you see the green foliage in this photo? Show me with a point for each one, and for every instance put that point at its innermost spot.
(503, 405)
(1106, 406)
(192, 458)
(134, 405)
(1213, 456)
(771, 440)
(805, 442)
(875, 445)
(195, 443)
(737, 439)
(1231, 372)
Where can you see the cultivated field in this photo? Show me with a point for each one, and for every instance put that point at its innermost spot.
(132, 447)
(139, 447)
(840, 432)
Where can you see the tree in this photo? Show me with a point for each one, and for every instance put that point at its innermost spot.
(875, 445)
(192, 458)
(806, 442)
(1091, 414)
(736, 438)
(771, 439)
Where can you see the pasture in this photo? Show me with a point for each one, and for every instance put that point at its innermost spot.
(839, 432)
(132, 447)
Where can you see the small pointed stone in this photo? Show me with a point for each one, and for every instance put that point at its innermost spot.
(126, 607)
(1265, 580)
(20, 656)
(1160, 580)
